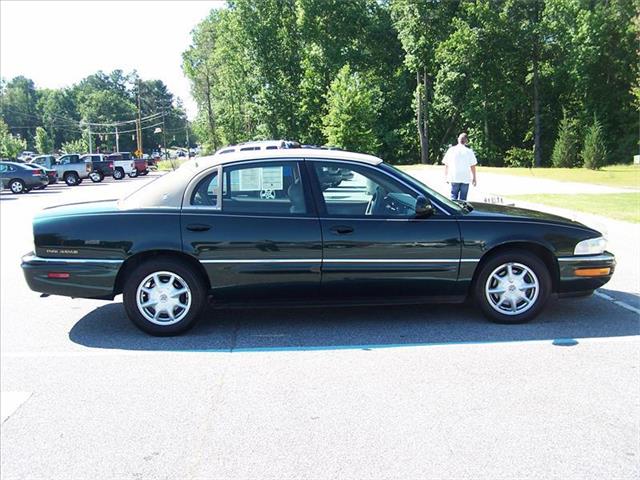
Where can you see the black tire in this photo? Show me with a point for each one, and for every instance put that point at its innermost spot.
(118, 174)
(183, 273)
(96, 177)
(531, 303)
(133, 173)
(144, 173)
(71, 179)
(17, 186)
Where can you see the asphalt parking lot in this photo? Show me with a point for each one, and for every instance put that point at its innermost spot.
(350, 393)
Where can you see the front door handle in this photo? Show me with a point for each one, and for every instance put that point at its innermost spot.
(342, 229)
(198, 227)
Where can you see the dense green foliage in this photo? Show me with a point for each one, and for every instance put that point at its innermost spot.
(594, 153)
(97, 103)
(10, 145)
(43, 141)
(352, 109)
(518, 157)
(565, 150)
(502, 70)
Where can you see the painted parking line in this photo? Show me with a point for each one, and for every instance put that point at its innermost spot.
(10, 402)
(624, 305)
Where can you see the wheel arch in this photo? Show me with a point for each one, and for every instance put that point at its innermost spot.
(539, 250)
(131, 263)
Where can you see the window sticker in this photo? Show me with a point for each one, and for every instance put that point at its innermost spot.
(257, 179)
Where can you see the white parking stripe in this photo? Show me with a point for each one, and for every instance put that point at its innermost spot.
(624, 305)
(11, 401)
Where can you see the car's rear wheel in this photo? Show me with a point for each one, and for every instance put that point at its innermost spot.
(118, 174)
(144, 173)
(17, 186)
(164, 297)
(71, 179)
(512, 287)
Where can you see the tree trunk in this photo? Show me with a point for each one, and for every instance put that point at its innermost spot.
(537, 153)
(421, 119)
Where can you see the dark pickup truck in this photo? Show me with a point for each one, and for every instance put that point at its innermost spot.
(101, 166)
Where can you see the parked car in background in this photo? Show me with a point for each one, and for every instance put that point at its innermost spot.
(261, 227)
(26, 156)
(20, 178)
(69, 167)
(122, 166)
(101, 166)
(52, 175)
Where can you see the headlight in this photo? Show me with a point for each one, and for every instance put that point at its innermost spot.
(591, 246)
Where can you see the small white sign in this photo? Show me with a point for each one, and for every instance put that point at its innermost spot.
(258, 179)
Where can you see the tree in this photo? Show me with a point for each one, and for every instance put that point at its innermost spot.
(565, 150)
(10, 145)
(594, 152)
(421, 26)
(351, 114)
(43, 141)
(75, 146)
(18, 107)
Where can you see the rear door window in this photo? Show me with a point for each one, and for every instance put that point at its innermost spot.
(265, 188)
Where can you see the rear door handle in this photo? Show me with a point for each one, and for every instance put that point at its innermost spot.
(342, 229)
(198, 227)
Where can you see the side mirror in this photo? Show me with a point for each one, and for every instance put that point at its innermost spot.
(424, 208)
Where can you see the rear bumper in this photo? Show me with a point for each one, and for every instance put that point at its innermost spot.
(581, 273)
(88, 278)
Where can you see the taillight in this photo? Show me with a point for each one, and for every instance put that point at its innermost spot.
(37, 172)
(58, 275)
(89, 167)
(133, 165)
(110, 164)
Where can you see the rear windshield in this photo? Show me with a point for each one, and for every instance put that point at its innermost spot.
(164, 192)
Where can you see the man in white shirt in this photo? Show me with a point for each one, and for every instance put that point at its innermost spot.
(460, 168)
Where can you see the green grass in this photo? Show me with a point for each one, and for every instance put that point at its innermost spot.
(619, 206)
(168, 165)
(623, 176)
(620, 176)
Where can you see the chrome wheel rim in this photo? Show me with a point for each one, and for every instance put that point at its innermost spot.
(512, 288)
(16, 187)
(163, 298)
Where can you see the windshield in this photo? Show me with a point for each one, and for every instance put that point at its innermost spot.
(414, 181)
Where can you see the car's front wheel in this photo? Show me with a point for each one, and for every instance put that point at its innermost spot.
(118, 174)
(164, 297)
(133, 173)
(512, 287)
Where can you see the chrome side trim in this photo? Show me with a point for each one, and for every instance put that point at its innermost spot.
(261, 260)
(587, 258)
(343, 260)
(33, 258)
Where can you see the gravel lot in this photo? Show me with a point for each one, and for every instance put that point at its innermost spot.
(347, 393)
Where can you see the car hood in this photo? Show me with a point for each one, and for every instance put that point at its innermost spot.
(508, 212)
(82, 208)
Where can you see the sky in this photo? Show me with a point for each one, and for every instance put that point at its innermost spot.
(58, 43)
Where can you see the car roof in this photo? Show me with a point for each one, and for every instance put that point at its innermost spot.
(300, 153)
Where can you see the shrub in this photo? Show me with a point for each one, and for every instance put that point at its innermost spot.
(75, 146)
(594, 152)
(565, 150)
(518, 157)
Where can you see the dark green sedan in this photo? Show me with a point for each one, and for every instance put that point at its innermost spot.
(307, 226)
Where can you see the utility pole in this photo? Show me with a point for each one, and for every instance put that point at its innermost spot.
(117, 140)
(188, 144)
(139, 124)
(164, 136)
(90, 146)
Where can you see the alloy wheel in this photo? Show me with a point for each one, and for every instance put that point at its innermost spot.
(163, 298)
(512, 288)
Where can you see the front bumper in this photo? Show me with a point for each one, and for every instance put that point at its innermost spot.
(582, 273)
(88, 278)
